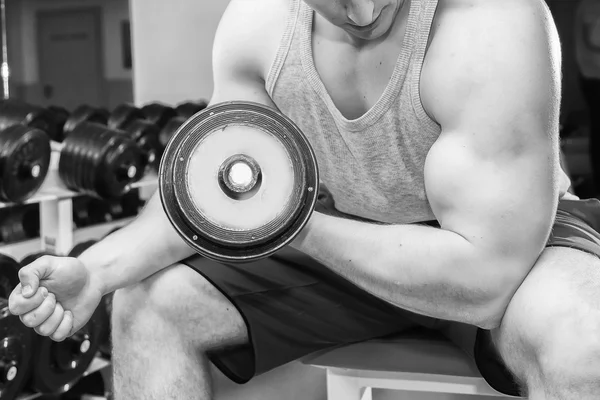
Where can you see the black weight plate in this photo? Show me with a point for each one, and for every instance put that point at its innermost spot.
(101, 211)
(124, 164)
(68, 168)
(65, 162)
(59, 365)
(17, 112)
(106, 346)
(158, 113)
(79, 248)
(211, 240)
(85, 113)
(9, 275)
(16, 340)
(24, 160)
(169, 130)
(145, 134)
(20, 223)
(123, 115)
(61, 115)
(81, 216)
(97, 146)
(189, 108)
(131, 203)
(12, 227)
(105, 143)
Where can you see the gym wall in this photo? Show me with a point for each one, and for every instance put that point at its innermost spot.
(23, 46)
(172, 48)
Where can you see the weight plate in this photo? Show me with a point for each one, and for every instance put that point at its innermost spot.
(123, 165)
(169, 130)
(81, 216)
(60, 115)
(123, 115)
(227, 216)
(17, 112)
(59, 365)
(85, 113)
(99, 145)
(24, 162)
(189, 108)
(145, 134)
(158, 113)
(16, 340)
(20, 223)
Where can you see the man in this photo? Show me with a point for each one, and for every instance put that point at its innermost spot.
(418, 111)
(587, 50)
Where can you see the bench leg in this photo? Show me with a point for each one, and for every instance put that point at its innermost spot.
(341, 387)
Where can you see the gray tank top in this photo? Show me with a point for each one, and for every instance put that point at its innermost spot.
(373, 165)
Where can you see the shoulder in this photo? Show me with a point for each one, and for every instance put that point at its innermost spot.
(249, 34)
(493, 44)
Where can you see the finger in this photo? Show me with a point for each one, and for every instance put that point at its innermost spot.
(30, 275)
(64, 329)
(37, 316)
(52, 323)
(19, 305)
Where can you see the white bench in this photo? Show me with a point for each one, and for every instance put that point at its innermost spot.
(407, 363)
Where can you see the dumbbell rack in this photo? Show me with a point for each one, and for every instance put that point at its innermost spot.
(57, 233)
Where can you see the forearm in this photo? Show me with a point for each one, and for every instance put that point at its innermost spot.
(138, 250)
(425, 270)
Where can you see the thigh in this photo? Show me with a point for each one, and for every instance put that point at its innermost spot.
(556, 306)
(179, 301)
(292, 307)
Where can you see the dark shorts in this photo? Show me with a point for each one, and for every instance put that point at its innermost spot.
(293, 306)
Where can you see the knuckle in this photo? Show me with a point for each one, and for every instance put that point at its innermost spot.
(43, 331)
(27, 320)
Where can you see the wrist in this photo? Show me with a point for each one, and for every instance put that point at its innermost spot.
(97, 281)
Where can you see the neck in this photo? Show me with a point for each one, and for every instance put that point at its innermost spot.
(323, 29)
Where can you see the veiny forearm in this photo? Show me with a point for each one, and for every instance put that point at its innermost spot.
(422, 269)
(133, 253)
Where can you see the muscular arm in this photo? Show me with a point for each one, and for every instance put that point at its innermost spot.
(493, 84)
(150, 243)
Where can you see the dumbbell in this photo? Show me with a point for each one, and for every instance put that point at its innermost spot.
(19, 223)
(17, 342)
(158, 113)
(24, 161)
(133, 121)
(189, 108)
(169, 130)
(85, 113)
(238, 181)
(17, 112)
(61, 115)
(99, 161)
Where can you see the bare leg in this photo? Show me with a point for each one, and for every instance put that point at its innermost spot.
(549, 337)
(162, 328)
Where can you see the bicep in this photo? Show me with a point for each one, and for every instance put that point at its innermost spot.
(492, 176)
(242, 50)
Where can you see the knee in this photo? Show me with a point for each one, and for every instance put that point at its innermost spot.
(176, 303)
(569, 354)
(556, 354)
(162, 298)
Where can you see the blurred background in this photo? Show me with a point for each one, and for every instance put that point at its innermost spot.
(108, 52)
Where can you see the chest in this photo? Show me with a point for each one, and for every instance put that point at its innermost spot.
(355, 79)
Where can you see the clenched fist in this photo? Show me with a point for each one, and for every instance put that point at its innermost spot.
(57, 296)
